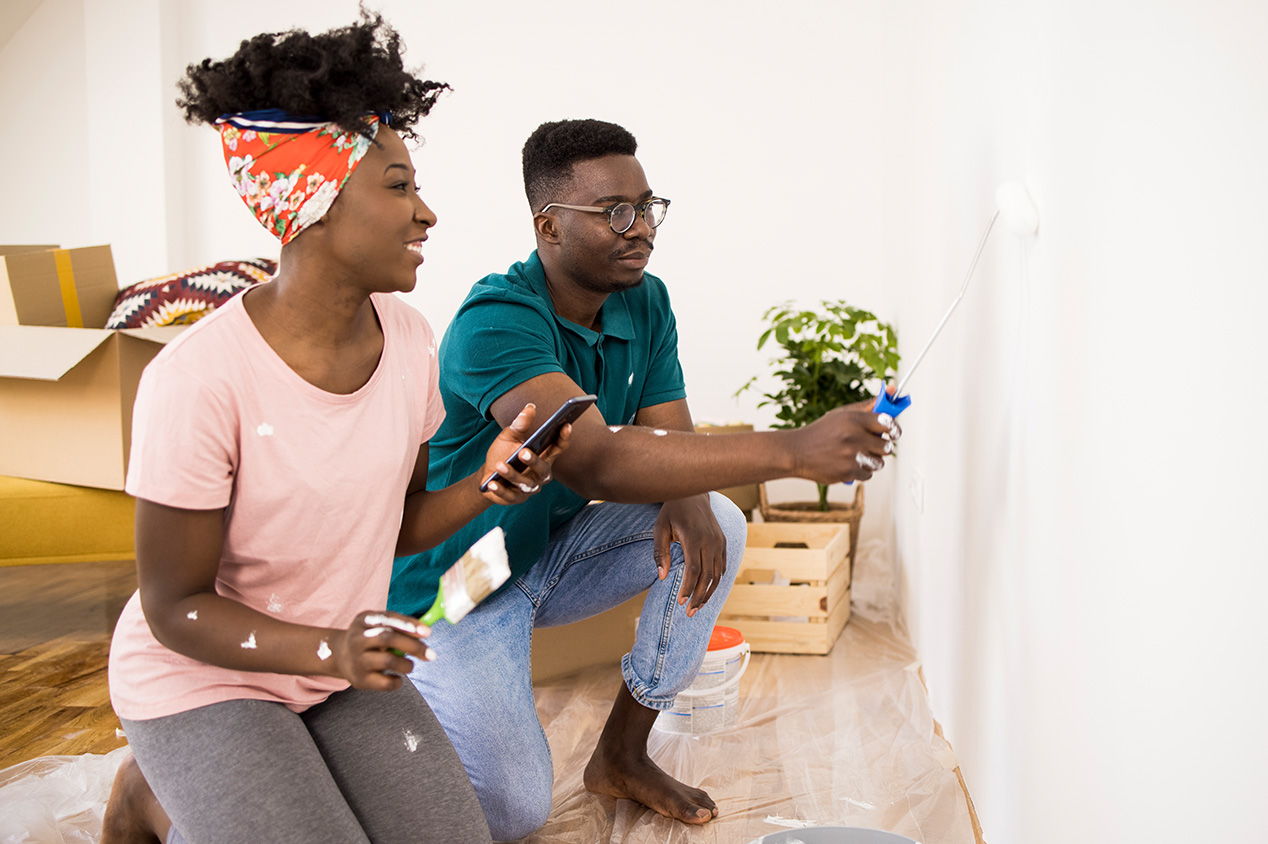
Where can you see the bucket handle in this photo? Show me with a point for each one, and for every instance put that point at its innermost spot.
(734, 681)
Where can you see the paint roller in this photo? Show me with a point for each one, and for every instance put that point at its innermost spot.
(1012, 203)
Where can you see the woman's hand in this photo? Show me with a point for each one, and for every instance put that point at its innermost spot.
(514, 486)
(371, 653)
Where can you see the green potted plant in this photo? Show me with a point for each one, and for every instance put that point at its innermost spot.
(832, 355)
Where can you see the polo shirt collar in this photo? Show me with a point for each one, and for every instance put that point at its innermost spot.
(614, 316)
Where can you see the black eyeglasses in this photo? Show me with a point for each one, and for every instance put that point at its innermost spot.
(622, 215)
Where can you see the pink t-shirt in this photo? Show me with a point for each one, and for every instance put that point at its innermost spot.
(313, 484)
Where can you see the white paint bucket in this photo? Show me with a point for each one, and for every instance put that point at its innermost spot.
(712, 701)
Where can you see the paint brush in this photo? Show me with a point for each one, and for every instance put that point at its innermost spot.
(470, 580)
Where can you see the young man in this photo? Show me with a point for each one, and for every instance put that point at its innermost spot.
(579, 316)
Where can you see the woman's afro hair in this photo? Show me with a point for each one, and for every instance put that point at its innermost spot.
(341, 75)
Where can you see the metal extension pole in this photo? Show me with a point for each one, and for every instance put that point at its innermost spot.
(898, 391)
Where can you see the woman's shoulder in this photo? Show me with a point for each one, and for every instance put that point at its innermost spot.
(212, 339)
(402, 320)
(394, 309)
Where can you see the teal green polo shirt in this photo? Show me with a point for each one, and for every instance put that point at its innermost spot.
(506, 332)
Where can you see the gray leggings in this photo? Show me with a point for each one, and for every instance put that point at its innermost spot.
(362, 766)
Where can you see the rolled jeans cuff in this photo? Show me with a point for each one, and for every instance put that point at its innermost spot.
(640, 691)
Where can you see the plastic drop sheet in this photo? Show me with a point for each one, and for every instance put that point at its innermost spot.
(57, 799)
(845, 739)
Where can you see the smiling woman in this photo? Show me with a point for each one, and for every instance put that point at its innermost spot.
(301, 408)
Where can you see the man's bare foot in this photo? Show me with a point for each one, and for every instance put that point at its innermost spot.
(642, 781)
(621, 768)
(133, 814)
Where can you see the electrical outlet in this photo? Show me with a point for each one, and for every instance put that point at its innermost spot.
(917, 490)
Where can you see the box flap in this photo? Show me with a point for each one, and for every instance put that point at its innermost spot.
(45, 353)
(163, 334)
(18, 249)
(59, 287)
(95, 281)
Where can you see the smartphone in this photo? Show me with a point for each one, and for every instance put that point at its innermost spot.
(545, 435)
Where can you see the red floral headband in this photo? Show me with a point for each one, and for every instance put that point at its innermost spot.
(289, 169)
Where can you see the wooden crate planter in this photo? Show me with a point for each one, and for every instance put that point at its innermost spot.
(808, 511)
(820, 588)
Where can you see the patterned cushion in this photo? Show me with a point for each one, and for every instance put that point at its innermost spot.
(186, 297)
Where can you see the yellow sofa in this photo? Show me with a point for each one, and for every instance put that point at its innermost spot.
(55, 523)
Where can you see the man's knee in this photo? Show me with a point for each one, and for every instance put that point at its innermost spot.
(514, 791)
(734, 527)
(516, 813)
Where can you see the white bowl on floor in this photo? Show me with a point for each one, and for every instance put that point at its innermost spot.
(832, 835)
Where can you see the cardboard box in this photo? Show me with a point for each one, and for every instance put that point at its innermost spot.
(596, 642)
(66, 393)
(806, 616)
(70, 288)
(66, 399)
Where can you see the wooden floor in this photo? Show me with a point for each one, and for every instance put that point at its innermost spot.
(55, 626)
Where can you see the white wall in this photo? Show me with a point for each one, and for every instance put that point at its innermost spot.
(1084, 579)
(42, 75)
(1085, 582)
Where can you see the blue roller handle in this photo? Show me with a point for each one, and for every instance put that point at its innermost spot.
(892, 406)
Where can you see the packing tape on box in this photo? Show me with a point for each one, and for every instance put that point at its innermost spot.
(70, 296)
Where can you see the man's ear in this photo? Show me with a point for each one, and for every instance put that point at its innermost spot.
(547, 228)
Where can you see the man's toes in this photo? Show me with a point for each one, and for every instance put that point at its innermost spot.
(700, 815)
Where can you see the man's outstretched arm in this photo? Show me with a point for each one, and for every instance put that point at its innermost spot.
(637, 464)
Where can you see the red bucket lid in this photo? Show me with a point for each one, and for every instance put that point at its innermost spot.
(725, 637)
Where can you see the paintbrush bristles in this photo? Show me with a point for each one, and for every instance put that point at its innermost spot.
(476, 575)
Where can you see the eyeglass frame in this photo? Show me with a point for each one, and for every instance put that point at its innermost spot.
(639, 207)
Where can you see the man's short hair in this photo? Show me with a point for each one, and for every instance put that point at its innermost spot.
(553, 148)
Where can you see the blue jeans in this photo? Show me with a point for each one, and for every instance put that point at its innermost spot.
(480, 689)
